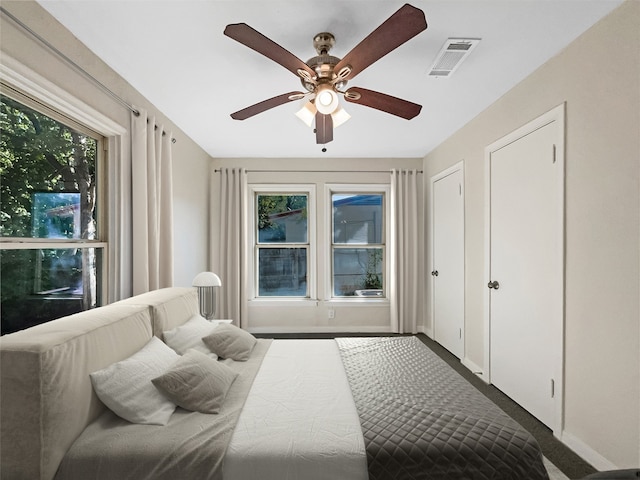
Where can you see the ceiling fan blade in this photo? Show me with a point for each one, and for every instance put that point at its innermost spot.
(324, 128)
(381, 101)
(400, 27)
(266, 105)
(243, 33)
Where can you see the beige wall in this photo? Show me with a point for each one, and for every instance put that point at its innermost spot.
(190, 162)
(598, 76)
(313, 315)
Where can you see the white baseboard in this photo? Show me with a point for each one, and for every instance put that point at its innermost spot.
(475, 369)
(587, 453)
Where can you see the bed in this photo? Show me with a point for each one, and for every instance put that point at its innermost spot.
(350, 408)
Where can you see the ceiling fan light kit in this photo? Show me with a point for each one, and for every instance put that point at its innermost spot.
(339, 116)
(324, 76)
(326, 99)
(307, 113)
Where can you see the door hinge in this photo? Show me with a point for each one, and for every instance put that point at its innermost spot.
(460, 189)
(460, 334)
(553, 388)
(554, 153)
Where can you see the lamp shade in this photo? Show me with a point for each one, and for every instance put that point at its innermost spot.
(207, 283)
(207, 279)
(307, 113)
(326, 99)
(339, 116)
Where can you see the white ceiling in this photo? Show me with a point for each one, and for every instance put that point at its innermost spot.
(175, 54)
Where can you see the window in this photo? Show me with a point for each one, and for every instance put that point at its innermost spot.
(351, 264)
(51, 248)
(358, 244)
(282, 247)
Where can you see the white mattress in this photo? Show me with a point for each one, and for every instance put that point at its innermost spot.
(299, 420)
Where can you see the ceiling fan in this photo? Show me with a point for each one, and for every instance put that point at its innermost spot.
(325, 76)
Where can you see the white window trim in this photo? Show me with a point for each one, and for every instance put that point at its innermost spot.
(310, 191)
(14, 243)
(17, 75)
(329, 189)
(33, 84)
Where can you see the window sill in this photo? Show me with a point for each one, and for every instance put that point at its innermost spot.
(307, 302)
(357, 301)
(283, 302)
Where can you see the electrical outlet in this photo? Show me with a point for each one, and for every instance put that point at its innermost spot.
(332, 313)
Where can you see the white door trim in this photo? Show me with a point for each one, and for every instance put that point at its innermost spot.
(439, 176)
(557, 115)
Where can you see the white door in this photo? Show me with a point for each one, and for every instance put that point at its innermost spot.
(525, 274)
(448, 260)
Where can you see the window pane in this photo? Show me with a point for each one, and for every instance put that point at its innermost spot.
(40, 285)
(48, 170)
(282, 218)
(282, 272)
(357, 218)
(357, 271)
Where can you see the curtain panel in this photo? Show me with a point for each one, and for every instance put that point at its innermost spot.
(152, 207)
(405, 259)
(232, 254)
(119, 222)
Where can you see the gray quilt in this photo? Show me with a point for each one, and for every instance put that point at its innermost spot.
(422, 420)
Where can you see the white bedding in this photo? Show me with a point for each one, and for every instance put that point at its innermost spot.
(299, 420)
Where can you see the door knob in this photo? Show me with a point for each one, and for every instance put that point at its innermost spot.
(434, 273)
(495, 285)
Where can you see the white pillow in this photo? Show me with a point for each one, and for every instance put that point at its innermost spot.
(189, 336)
(125, 387)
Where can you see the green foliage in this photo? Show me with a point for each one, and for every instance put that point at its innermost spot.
(269, 205)
(39, 154)
(372, 276)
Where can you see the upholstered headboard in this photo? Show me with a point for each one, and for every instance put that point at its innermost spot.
(46, 397)
(169, 307)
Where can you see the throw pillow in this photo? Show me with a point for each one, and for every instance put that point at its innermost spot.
(196, 382)
(189, 335)
(125, 387)
(229, 341)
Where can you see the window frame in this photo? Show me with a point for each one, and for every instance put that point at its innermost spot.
(117, 261)
(100, 244)
(357, 188)
(254, 245)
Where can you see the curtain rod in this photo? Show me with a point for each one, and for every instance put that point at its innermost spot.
(73, 64)
(318, 171)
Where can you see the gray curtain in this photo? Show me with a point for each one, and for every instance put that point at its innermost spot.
(152, 204)
(119, 209)
(232, 254)
(405, 257)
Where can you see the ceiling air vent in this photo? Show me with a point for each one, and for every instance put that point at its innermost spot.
(452, 54)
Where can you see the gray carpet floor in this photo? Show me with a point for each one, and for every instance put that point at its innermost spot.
(568, 462)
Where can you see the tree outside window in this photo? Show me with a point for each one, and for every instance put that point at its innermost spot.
(50, 260)
(282, 245)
